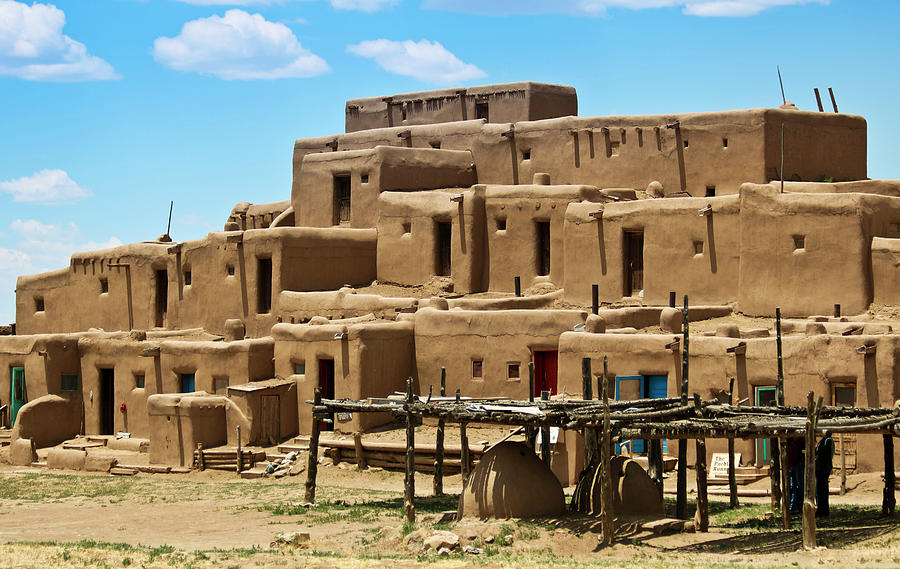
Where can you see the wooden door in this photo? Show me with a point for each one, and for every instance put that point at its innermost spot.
(187, 383)
(326, 383)
(18, 396)
(545, 372)
(270, 410)
(657, 387)
(107, 401)
(443, 265)
(634, 262)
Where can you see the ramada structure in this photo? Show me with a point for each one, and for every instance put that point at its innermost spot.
(517, 233)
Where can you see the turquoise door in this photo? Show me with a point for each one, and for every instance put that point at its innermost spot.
(628, 388)
(187, 383)
(765, 397)
(658, 388)
(17, 393)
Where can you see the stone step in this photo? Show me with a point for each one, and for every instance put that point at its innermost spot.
(122, 471)
(292, 447)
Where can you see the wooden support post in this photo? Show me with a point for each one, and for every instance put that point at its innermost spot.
(809, 475)
(590, 434)
(843, 465)
(409, 481)
(605, 452)
(889, 501)
(701, 518)
(779, 380)
(438, 484)
(655, 464)
(775, 474)
(529, 430)
(312, 464)
(785, 486)
(732, 476)
(681, 483)
(200, 464)
(545, 435)
(239, 458)
(465, 460)
(360, 454)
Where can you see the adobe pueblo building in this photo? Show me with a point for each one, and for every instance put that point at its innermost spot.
(482, 230)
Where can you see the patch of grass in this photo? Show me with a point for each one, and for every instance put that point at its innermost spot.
(408, 528)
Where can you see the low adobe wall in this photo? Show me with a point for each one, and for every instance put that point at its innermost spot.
(48, 420)
(885, 276)
(299, 307)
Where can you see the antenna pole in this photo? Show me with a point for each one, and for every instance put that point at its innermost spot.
(780, 82)
(169, 226)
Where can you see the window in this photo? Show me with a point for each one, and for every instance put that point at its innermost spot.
(220, 385)
(724, 143)
(512, 370)
(477, 369)
(300, 368)
(69, 382)
(526, 155)
(698, 247)
(685, 143)
(139, 380)
(435, 145)
(843, 395)
(39, 304)
(407, 228)
(543, 246)
(263, 286)
(364, 179)
(501, 224)
(799, 242)
(104, 285)
(341, 200)
(187, 277)
(614, 148)
(481, 111)
(710, 191)
(230, 270)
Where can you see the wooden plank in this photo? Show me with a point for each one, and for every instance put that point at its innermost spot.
(312, 464)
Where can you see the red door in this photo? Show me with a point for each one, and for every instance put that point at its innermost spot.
(544, 372)
(326, 382)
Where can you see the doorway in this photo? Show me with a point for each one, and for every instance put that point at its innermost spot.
(543, 245)
(263, 285)
(17, 395)
(633, 387)
(270, 410)
(545, 368)
(326, 383)
(444, 240)
(107, 401)
(341, 200)
(633, 256)
(764, 396)
(162, 298)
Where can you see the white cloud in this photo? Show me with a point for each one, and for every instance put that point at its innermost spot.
(33, 47)
(238, 45)
(13, 261)
(49, 187)
(424, 60)
(711, 8)
(363, 5)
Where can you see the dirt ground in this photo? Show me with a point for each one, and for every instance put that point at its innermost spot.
(214, 519)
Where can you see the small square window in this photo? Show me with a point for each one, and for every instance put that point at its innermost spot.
(724, 143)
(220, 385)
(501, 224)
(698, 247)
(512, 370)
(844, 396)
(104, 285)
(187, 278)
(230, 270)
(139, 380)
(685, 143)
(436, 145)
(614, 148)
(69, 382)
(407, 228)
(710, 191)
(299, 368)
(799, 242)
(39, 304)
(477, 369)
(364, 179)
(526, 155)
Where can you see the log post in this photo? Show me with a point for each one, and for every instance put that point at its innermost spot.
(200, 465)
(681, 486)
(590, 434)
(843, 466)
(889, 500)
(464, 453)
(605, 452)
(529, 430)
(360, 455)
(775, 474)
(732, 476)
(239, 458)
(438, 484)
(409, 480)
(655, 465)
(809, 482)
(785, 490)
(545, 435)
(312, 464)
(701, 518)
(785, 486)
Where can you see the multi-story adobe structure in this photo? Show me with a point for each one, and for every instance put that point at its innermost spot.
(478, 189)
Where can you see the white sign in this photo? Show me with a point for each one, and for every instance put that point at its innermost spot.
(344, 417)
(554, 436)
(719, 466)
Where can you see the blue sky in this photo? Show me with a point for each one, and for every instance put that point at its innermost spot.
(111, 108)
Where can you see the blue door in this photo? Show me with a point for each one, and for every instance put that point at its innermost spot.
(631, 387)
(17, 393)
(658, 388)
(187, 383)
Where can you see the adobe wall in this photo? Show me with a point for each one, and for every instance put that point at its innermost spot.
(810, 363)
(80, 285)
(717, 150)
(673, 233)
(408, 246)
(881, 187)
(455, 338)
(807, 252)
(235, 362)
(300, 307)
(256, 216)
(885, 276)
(248, 399)
(384, 168)
(373, 359)
(43, 373)
(512, 214)
(508, 102)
